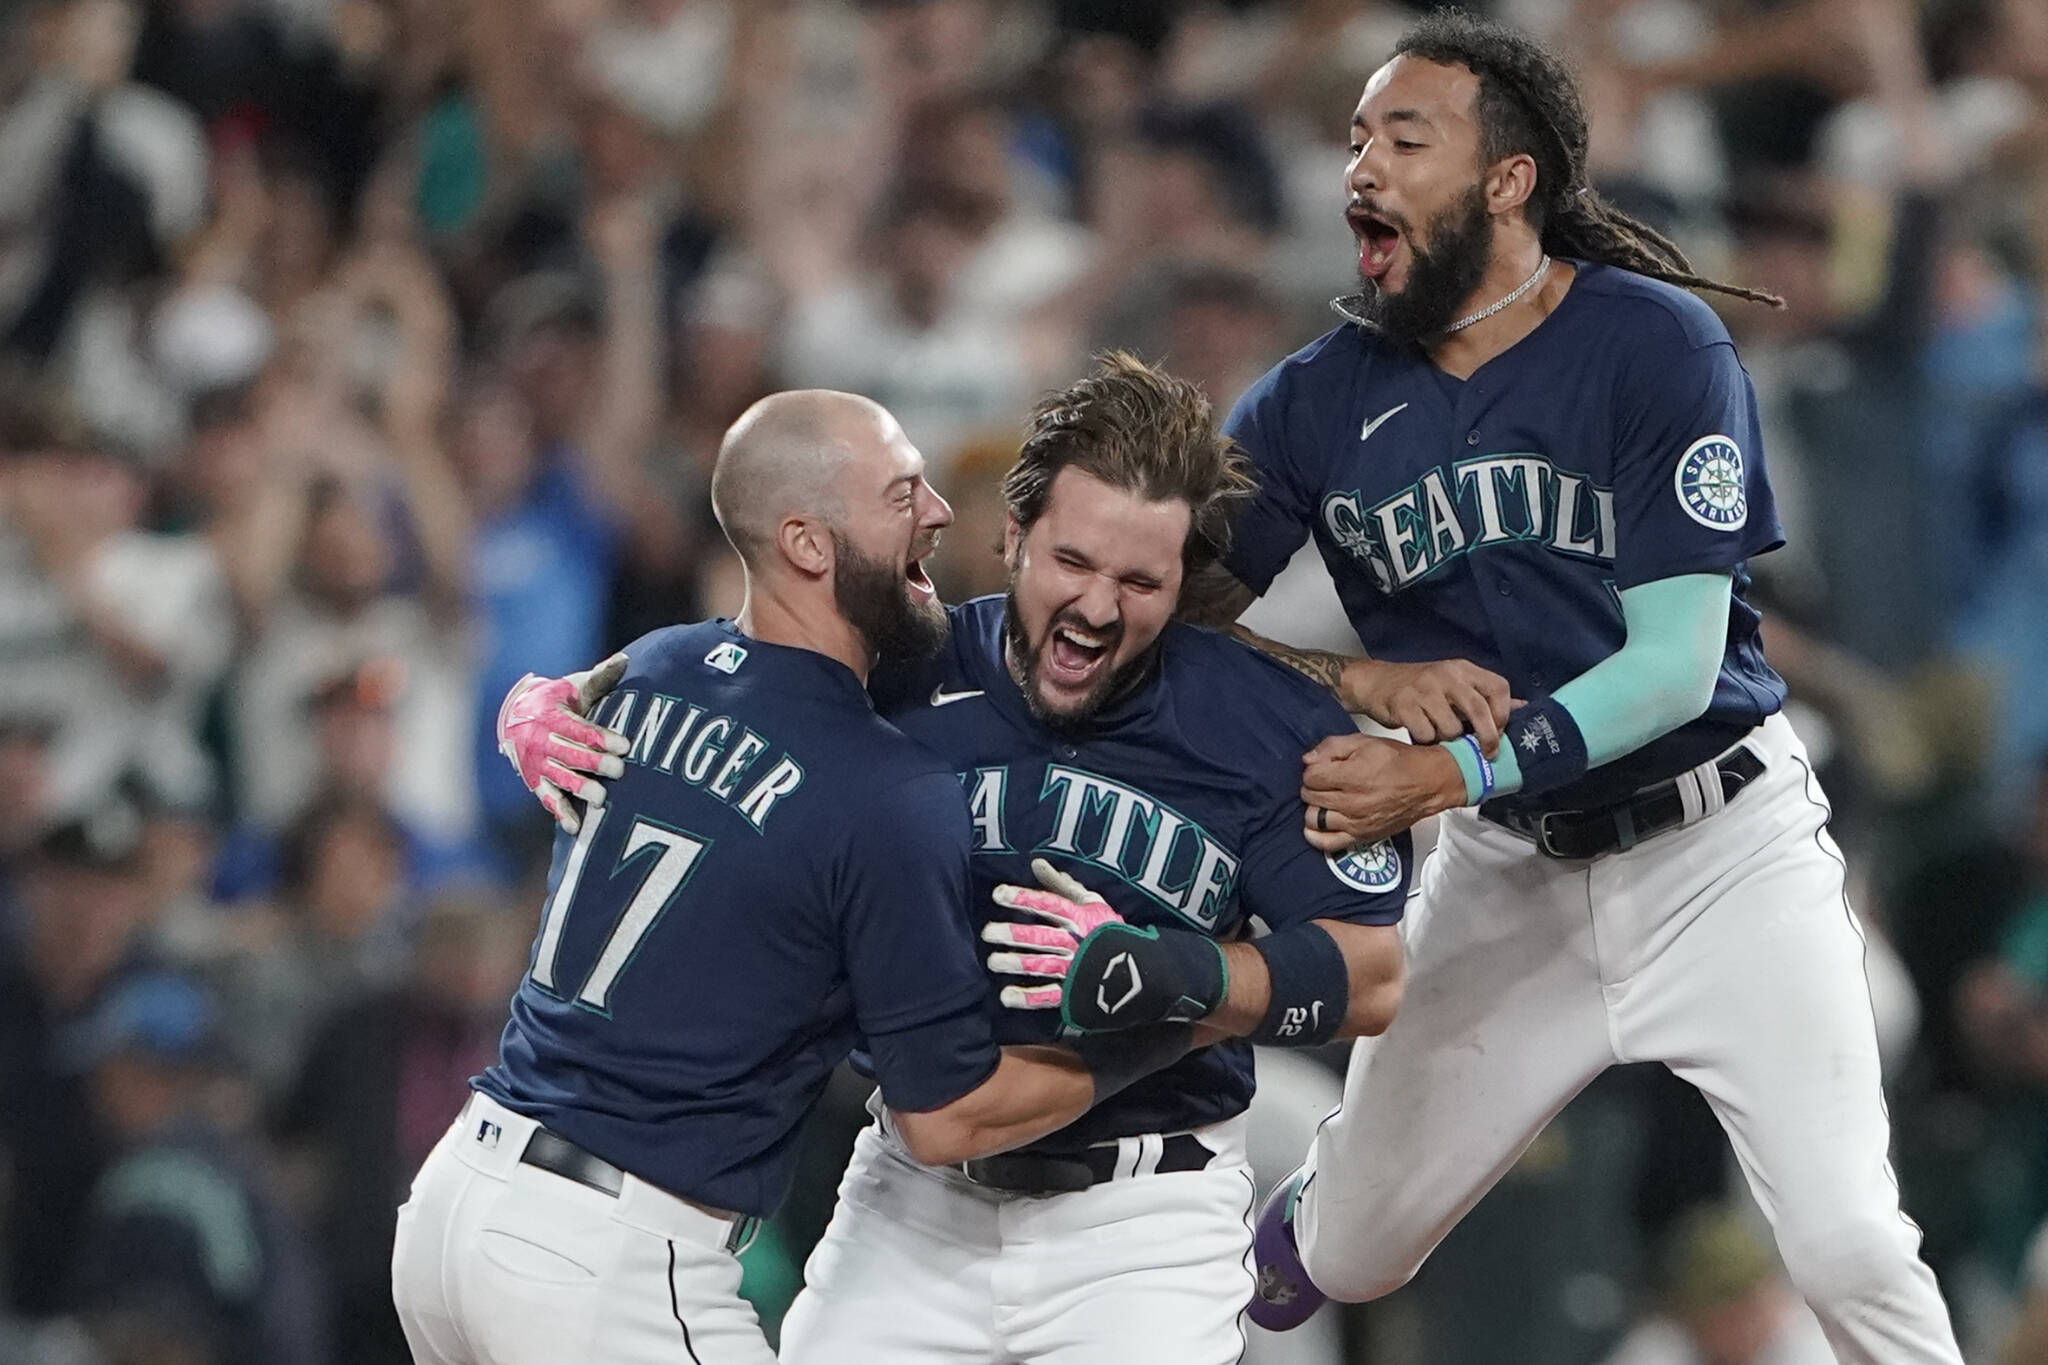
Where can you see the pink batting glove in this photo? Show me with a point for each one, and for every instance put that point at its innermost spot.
(542, 731)
(1074, 913)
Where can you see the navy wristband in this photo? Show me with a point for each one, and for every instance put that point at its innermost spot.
(1548, 746)
(1309, 991)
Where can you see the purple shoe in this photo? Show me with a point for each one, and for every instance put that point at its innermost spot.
(1284, 1297)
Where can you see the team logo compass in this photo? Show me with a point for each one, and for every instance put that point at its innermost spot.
(1709, 484)
(1372, 869)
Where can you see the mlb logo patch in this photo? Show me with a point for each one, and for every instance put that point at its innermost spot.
(1374, 868)
(488, 1133)
(727, 658)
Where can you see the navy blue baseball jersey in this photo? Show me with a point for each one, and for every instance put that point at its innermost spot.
(778, 873)
(1180, 805)
(1497, 518)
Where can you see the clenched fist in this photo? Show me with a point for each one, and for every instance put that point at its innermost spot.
(1433, 702)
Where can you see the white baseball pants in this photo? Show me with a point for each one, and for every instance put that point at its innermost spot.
(1724, 949)
(923, 1265)
(499, 1263)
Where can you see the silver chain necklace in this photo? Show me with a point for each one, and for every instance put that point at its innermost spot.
(1542, 269)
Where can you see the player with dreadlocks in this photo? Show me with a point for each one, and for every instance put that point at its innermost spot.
(1531, 460)
(1528, 105)
(1525, 108)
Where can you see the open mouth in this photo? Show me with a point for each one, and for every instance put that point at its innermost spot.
(1073, 656)
(1378, 240)
(914, 574)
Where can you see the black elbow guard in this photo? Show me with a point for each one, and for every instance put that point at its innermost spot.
(1114, 1060)
(1310, 988)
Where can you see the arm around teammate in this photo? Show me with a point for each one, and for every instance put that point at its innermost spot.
(921, 1000)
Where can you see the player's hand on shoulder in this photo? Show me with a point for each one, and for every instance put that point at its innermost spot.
(1360, 788)
(1043, 952)
(556, 752)
(1433, 702)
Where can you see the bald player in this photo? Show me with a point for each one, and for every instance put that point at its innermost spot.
(775, 871)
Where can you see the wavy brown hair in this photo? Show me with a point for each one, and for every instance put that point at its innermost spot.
(1135, 427)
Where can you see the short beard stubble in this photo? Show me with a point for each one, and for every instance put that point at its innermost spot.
(1023, 662)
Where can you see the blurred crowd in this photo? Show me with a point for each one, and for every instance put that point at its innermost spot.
(359, 356)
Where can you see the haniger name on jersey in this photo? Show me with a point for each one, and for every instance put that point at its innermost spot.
(672, 737)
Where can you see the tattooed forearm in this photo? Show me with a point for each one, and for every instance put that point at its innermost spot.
(1319, 666)
(1211, 596)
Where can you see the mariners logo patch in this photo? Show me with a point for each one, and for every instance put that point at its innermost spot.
(1709, 484)
(1374, 868)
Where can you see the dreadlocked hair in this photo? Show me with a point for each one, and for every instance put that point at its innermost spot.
(1528, 104)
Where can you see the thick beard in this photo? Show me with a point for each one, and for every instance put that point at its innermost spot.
(1024, 661)
(878, 601)
(1441, 279)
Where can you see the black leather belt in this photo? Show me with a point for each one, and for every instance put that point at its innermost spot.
(557, 1155)
(1579, 834)
(1028, 1173)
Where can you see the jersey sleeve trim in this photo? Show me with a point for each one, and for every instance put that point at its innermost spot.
(1702, 563)
(1379, 913)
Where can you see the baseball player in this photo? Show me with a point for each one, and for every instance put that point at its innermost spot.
(1090, 732)
(1530, 452)
(777, 870)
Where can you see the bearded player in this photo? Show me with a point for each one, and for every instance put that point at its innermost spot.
(1161, 762)
(777, 871)
(1530, 459)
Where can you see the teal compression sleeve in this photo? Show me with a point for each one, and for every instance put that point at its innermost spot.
(1662, 676)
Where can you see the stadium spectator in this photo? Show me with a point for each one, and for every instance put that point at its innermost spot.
(334, 505)
(2002, 1009)
(117, 633)
(179, 1226)
(2028, 1342)
(548, 454)
(1998, 621)
(903, 335)
(385, 1070)
(353, 720)
(336, 928)
(1723, 1301)
(82, 907)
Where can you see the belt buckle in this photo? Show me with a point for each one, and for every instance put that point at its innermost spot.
(1543, 842)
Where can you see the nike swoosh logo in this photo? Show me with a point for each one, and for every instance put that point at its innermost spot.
(941, 697)
(1374, 425)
